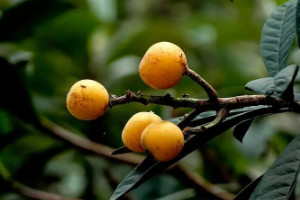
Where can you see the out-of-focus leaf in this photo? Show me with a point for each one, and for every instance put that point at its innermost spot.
(8, 138)
(183, 194)
(241, 129)
(121, 150)
(277, 37)
(280, 85)
(298, 21)
(65, 171)
(20, 58)
(21, 20)
(297, 96)
(149, 167)
(15, 96)
(33, 167)
(280, 179)
(247, 191)
(5, 124)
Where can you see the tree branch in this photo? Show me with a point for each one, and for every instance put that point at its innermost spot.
(166, 100)
(85, 144)
(203, 104)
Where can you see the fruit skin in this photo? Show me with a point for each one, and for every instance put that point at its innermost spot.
(163, 65)
(164, 140)
(131, 135)
(87, 99)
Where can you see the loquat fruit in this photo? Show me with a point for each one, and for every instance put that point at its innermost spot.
(163, 139)
(132, 131)
(87, 99)
(163, 65)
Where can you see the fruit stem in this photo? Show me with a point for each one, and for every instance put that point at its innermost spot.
(220, 116)
(210, 91)
(188, 117)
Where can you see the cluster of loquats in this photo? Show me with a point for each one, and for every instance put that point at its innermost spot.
(146, 131)
(162, 67)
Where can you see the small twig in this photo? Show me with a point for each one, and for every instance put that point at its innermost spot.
(85, 144)
(210, 91)
(188, 118)
(37, 194)
(220, 116)
(194, 180)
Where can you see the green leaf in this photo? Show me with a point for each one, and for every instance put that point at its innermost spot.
(241, 129)
(277, 37)
(200, 119)
(17, 98)
(297, 96)
(149, 167)
(208, 116)
(21, 20)
(247, 191)
(33, 166)
(280, 85)
(179, 195)
(279, 181)
(298, 22)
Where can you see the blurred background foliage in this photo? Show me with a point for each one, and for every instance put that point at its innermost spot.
(46, 46)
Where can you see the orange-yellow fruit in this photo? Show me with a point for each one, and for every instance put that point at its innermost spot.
(133, 129)
(163, 65)
(87, 99)
(163, 139)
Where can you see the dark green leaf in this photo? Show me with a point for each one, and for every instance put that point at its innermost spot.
(247, 191)
(16, 98)
(200, 119)
(277, 37)
(280, 85)
(136, 176)
(10, 137)
(298, 21)
(149, 167)
(263, 85)
(121, 150)
(208, 116)
(21, 20)
(32, 168)
(279, 181)
(241, 129)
